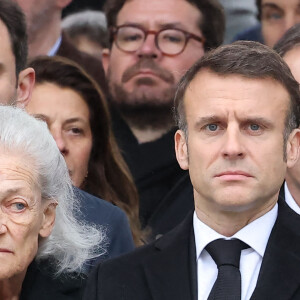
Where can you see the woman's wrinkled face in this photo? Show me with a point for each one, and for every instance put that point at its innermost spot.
(68, 119)
(23, 215)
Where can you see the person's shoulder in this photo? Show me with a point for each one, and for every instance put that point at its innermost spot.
(42, 283)
(111, 219)
(103, 209)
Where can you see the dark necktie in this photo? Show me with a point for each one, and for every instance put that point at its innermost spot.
(226, 254)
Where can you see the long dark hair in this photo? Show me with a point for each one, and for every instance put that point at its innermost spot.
(108, 175)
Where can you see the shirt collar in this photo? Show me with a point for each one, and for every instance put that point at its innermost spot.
(290, 200)
(255, 234)
(55, 47)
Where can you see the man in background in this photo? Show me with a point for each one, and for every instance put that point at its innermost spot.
(45, 36)
(153, 43)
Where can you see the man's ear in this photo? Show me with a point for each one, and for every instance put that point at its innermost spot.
(105, 59)
(292, 148)
(25, 85)
(181, 149)
(48, 219)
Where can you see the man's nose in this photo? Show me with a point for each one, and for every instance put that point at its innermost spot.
(149, 48)
(233, 147)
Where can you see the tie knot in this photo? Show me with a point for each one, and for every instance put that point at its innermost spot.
(226, 252)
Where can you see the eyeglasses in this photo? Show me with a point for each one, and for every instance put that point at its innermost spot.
(170, 41)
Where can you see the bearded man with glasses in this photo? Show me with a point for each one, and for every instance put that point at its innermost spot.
(152, 44)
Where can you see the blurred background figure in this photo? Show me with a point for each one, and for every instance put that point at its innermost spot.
(87, 31)
(45, 37)
(289, 48)
(240, 15)
(79, 5)
(77, 115)
(276, 17)
(43, 247)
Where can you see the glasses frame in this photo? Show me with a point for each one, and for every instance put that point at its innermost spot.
(188, 36)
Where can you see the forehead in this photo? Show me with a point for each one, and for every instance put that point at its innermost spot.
(155, 13)
(6, 47)
(61, 99)
(284, 4)
(210, 92)
(16, 169)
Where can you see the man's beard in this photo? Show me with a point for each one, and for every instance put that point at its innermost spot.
(143, 109)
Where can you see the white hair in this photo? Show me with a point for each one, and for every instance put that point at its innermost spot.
(85, 18)
(71, 242)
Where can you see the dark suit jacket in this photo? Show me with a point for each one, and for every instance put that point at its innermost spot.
(90, 64)
(166, 269)
(40, 284)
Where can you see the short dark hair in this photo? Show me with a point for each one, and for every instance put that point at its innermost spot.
(258, 5)
(248, 59)
(212, 23)
(14, 20)
(290, 40)
(108, 175)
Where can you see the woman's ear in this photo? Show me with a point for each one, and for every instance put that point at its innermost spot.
(48, 219)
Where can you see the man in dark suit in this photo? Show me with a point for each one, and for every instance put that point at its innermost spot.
(45, 37)
(238, 117)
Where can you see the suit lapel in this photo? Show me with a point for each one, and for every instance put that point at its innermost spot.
(168, 272)
(279, 276)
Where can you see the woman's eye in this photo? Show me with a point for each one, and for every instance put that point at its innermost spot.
(76, 130)
(18, 206)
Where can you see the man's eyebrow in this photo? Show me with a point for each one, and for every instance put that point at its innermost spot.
(161, 25)
(266, 122)
(206, 120)
(271, 5)
(217, 119)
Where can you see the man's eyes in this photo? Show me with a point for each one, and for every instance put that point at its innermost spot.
(254, 127)
(212, 127)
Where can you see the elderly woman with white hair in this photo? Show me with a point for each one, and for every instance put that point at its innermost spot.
(42, 246)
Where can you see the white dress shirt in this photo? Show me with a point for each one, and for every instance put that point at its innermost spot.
(256, 235)
(290, 200)
(55, 47)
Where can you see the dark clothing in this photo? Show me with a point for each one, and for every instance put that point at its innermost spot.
(40, 284)
(250, 34)
(166, 269)
(156, 173)
(111, 218)
(90, 64)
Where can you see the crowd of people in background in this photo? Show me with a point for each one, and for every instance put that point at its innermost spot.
(149, 149)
